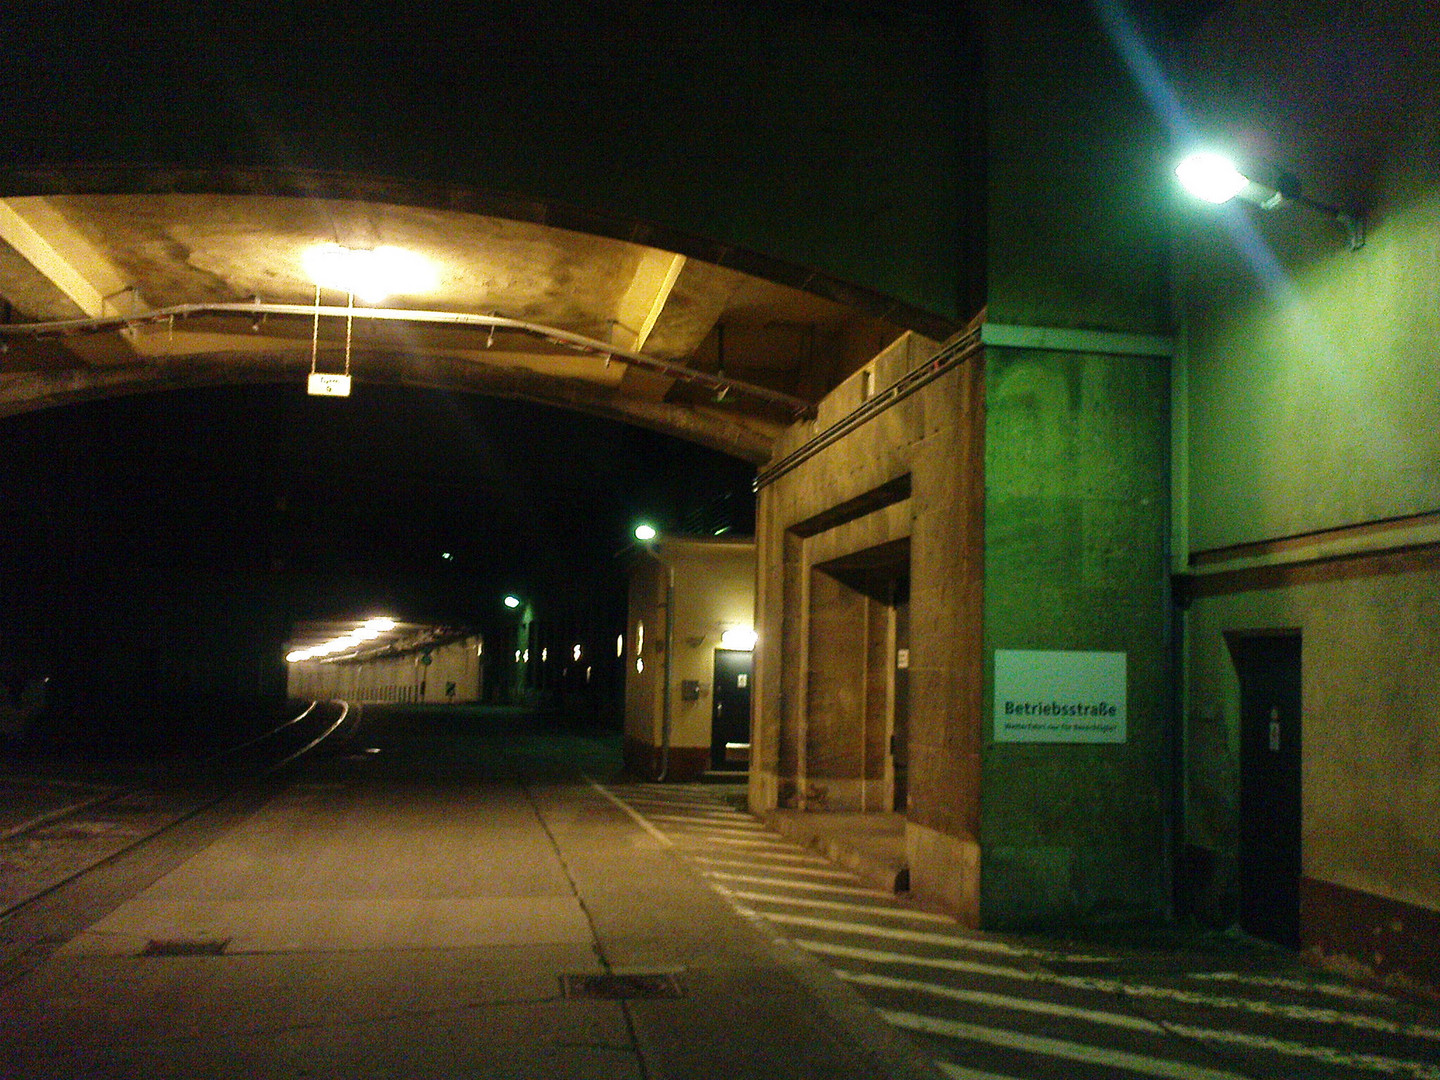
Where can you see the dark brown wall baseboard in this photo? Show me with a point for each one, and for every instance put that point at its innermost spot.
(686, 762)
(1391, 943)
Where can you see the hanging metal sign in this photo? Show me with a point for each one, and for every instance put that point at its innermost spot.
(323, 385)
(1064, 697)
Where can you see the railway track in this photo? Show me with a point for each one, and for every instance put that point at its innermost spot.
(57, 846)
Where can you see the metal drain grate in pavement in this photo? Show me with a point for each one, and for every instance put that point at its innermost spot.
(185, 947)
(642, 986)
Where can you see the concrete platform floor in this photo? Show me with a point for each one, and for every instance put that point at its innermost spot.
(411, 912)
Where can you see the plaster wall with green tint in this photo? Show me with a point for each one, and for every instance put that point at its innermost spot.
(1314, 390)
(1076, 170)
(1076, 514)
(1312, 412)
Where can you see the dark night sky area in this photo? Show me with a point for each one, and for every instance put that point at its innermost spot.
(162, 545)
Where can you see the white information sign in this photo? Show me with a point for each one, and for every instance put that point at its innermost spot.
(322, 385)
(1067, 697)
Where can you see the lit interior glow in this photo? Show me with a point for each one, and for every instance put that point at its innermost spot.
(1209, 176)
(738, 637)
(366, 631)
(370, 273)
(645, 532)
(545, 655)
(619, 644)
(576, 652)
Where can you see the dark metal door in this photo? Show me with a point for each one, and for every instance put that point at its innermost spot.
(1270, 790)
(730, 719)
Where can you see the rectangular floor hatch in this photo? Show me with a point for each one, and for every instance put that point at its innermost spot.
(185, 947)
(642, 986)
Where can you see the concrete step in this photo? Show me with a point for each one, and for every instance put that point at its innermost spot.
(871, 846)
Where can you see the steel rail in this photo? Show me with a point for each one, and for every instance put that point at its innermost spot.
(251, 742)
(680, 372)
(194, 811)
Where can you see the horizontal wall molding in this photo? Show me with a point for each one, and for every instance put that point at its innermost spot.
(862, 505)
(1406, 559)
(1061, 339)
(1283, 545)
(955, 352)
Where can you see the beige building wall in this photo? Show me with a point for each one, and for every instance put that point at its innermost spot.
(714, 591)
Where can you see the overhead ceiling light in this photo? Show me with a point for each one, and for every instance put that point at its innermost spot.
(370, 273)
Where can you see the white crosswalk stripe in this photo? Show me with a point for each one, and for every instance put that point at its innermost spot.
(1059, 1048)
(991, 1008)
(808, 886)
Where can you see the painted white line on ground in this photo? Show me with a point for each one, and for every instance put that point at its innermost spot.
(699, 809)
(777, 843)
(1005, 1001)
(840, 905)
(738, 828)
(1279, 1010)
(812, 886)
(942, 963)
(960, 1072)
(1059, 1048)
(1412, 1070)
(1273, 983)
(1314, 1014)
(806, 871)
(1309, 1014)
(654, 832)
(952, 941)
(670, 794)
(689, 810)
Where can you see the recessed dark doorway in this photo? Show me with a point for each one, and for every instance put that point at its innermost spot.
(1268, 665)
(730, 723)
(859, 676)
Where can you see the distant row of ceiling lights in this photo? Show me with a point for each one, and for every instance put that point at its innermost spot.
(366, 632)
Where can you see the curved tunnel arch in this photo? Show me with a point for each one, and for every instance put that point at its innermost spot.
(719, 270)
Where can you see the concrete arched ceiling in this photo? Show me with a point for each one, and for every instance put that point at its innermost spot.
(110, 293)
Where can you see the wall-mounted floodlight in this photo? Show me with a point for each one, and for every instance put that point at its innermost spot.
(512, 602)
(645, 532)
(1217, 179)
(739, 637)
